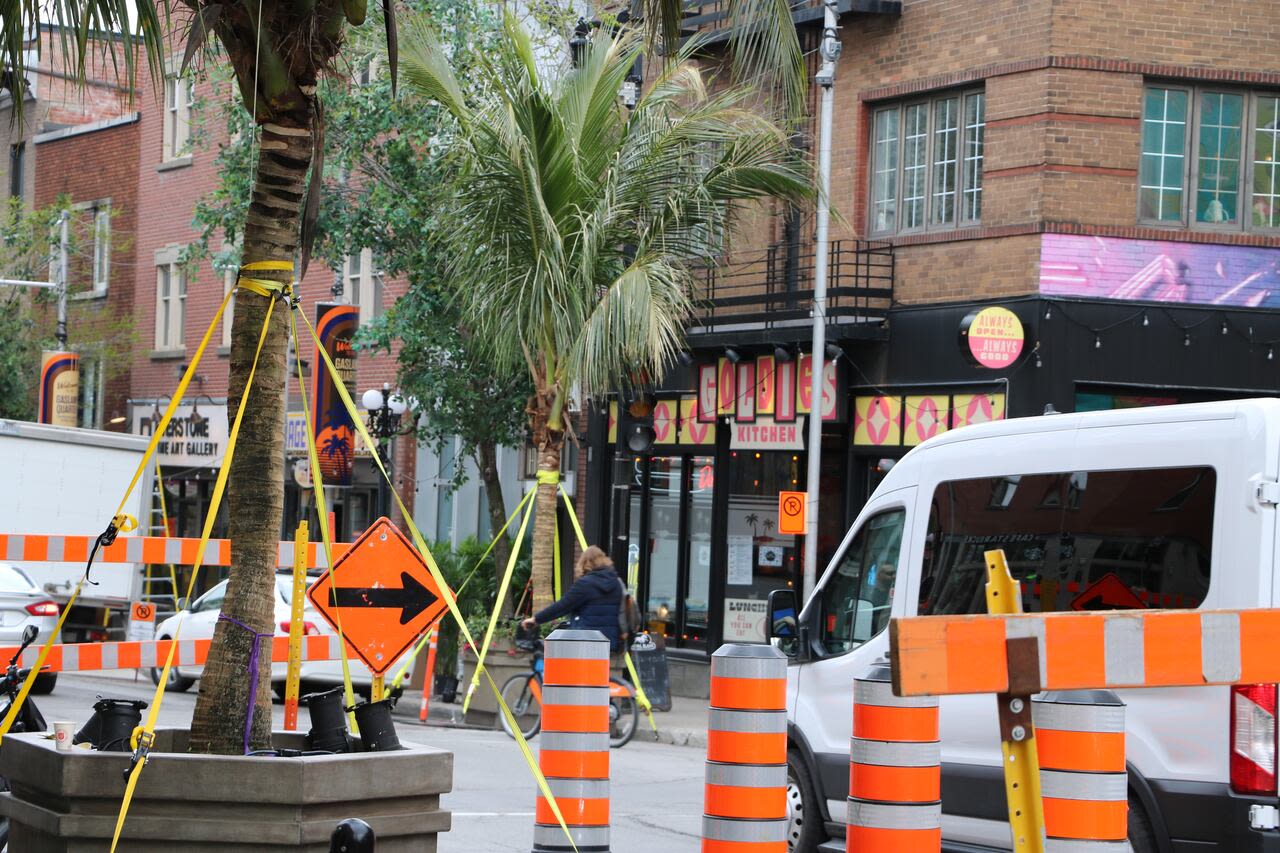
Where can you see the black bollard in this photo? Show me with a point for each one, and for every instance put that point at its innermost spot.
(352, 836)
(112, 724)
(377, 731)
(328, 721)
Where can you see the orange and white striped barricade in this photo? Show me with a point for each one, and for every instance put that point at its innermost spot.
(428, 678)
(745, 804)
(151, 654)
(574, 754)
(1083, 779)
(895, 776)
(53, 548)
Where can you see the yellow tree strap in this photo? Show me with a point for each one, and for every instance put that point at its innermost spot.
(497, 606)
(146, 737)
(118, 519)
(398, 680)
(445, 592)
(326, 535)
(641, 697)
(548, 478)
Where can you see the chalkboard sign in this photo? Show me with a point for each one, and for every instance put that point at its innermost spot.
(651, 666)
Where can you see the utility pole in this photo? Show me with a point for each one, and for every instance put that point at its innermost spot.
(63, 277)
(825, 78)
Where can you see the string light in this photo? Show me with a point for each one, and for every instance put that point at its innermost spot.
(1271, 354)
(1224, 327)
(1146, 321)
(1048, 312)
(1097, 341)
(1186, 339)
(1039, 363)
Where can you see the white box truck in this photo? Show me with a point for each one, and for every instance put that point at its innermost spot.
(58, 480)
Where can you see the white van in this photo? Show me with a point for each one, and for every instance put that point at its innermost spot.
(1158, 507)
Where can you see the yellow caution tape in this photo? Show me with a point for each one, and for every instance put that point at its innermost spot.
(445, 592)
(497, 607)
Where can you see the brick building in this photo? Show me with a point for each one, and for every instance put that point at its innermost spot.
(1066, 204)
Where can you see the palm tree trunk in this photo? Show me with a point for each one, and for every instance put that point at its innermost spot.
(544, 528)
(255, 486)
(487, 460)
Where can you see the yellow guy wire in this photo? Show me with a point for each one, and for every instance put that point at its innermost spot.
(144, 736)
(398, 680)
(123, 522)
(641, 698)
(497, 606)
(445, 592)
(326, 535)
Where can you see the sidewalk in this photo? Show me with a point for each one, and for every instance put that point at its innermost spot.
(684, 725)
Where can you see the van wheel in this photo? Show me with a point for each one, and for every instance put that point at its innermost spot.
(1142, 838)
(804, 813)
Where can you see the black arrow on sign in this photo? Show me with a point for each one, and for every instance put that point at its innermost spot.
(411, 597)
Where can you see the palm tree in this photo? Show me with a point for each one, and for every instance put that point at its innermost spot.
(277, 52)
(575, 223)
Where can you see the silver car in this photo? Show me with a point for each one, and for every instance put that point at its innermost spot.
(22, 603)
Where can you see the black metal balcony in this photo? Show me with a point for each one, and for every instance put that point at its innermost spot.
(770, 292)
(712, 16)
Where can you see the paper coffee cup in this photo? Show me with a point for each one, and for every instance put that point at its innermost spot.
(63, 732)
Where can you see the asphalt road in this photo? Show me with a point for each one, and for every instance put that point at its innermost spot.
(656, 790)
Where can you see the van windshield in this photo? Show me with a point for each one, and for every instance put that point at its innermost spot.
(1082, 540)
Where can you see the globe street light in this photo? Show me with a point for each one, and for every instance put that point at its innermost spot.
(385, 408)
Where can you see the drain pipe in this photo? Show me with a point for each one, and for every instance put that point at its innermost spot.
(825, 78)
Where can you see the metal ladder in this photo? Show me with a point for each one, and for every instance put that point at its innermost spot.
(159, 582)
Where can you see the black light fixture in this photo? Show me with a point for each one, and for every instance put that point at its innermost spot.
(782, 354)
(733, 355)
(377, 731)
(833, 352)
(328, 721)
(685, 358)
(578, 44)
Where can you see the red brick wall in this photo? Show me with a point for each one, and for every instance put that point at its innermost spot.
(61, 170)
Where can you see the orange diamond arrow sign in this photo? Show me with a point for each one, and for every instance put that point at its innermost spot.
(382, 592)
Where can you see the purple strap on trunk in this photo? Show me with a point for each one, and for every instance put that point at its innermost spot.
(253, 673)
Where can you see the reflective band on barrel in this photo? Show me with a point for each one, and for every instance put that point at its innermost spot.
(575, 649)
(745, 831)
(762, 722)
(925, 754)
(575, 741)
(1082, 845)
(561, 695)
(1084, 786)
(746, 775)
(875, 692)
(890, 816)
(587, 838)
(1072, 717)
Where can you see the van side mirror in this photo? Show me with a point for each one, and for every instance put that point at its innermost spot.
(184, 603)
(783, 622)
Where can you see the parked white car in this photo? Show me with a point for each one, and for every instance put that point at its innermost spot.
(1169, 507)
(201, 617)
(22, 603)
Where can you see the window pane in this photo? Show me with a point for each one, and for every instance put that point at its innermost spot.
(945, 155)
(1097, 540)
(857, 598)
(1266, 164)
(914, 165)
(666, 474)
(975, 125)
(1164, 126)
(1218, 166)
(885, 180)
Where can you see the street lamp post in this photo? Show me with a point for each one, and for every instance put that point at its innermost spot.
(385, 408)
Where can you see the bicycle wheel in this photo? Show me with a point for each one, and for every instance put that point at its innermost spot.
(624, 715)
(518, 693)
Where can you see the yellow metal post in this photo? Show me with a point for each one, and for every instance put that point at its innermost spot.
(378, 691)
(1017, 734)
(294, 672)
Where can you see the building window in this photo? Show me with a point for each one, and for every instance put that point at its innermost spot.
(926, 163)
(171, 304)
(17, 165)
(364, 284)
(1209, 158)
(179, 92)
(90, 391)
(101, 214)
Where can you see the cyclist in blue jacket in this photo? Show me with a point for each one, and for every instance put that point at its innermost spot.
(592, 603)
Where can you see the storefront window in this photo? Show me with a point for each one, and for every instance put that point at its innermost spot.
(702, 481)
(665, 481)
(759, 560)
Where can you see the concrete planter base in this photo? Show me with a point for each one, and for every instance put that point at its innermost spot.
(67, 802)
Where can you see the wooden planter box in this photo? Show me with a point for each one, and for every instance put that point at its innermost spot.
(67, 802)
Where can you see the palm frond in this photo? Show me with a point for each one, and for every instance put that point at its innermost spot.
(427, 69)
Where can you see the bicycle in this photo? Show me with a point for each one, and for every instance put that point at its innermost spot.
(523, 694)
(29, 718)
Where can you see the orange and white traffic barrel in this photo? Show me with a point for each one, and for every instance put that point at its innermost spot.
(574, 753)
(745, 804)
(895, 775)
(1084, 783)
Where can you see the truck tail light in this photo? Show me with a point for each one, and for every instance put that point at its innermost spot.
(308, 628)
(42, 608)
(1253, 738)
